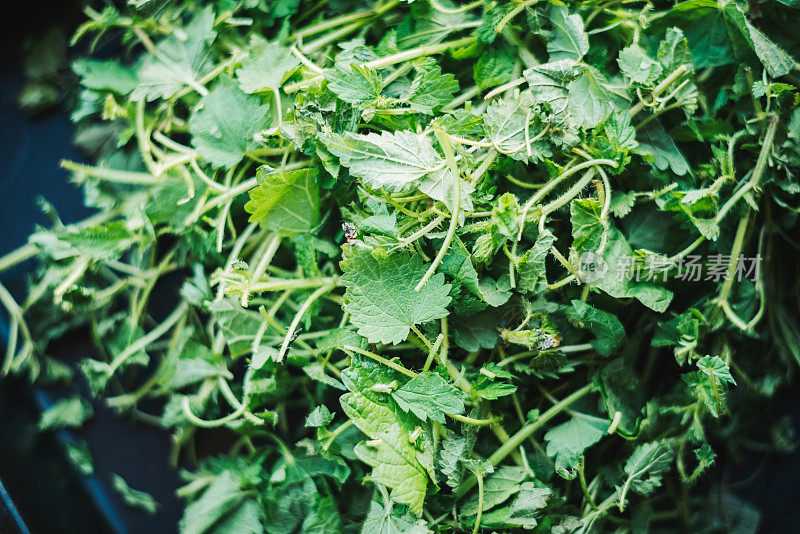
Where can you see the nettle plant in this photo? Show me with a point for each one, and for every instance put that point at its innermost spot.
(465, 352)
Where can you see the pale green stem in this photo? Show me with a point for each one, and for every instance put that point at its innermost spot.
(299, 316)
(527, 430)
(380, 359)
(447, 148)
(144, 341)
(660, 88)
(110, 175)
(388, 61)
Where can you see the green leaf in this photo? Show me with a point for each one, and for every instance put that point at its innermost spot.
(618, 284)
(266, 67)
(568, 40)
(225, 122)
(622, 203)
(430, 89)
(320, 416)
(102, 242)
(638, 66)
(494, 67)
(359, 85)
(548, 85)
(658, 147)
(528, 504)
(428, 395)
(381, 520)
(531, 265)
(497, 488)
(108, 75)
(644, 469)
(706, 31)
(567, 442)
(381, 300)
(221, 507)
(587, 226)
(390, 452)
(606, 327)
(285, 202)
(181, 59)
(191, 371)
(80, 457)
(454, 448)
(324, 518)
(457, 263)
(622, 392)
(505, 123)
(66, 413)
(777, 61)
(394, 161)
(714, 366)
(492, 388)
(589, 98)
(134, 498)
(237, 324)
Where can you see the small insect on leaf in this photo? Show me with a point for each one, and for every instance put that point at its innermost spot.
(350, 233)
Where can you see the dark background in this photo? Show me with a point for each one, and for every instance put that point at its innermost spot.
(49, 495)
(47, 492)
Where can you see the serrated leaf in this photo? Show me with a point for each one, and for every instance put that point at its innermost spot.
(181, 60)
(548, 85)
(589, 98)
(777, 61)
(355, 85)
(505, 123)
(645, 467)
(220, 501)
(453, 449)
(266, 67)
(497, 488)
(106, 75)
(320, 416)
(569, 40)
(381, 300)
(457, 263)
(103, 242)
(394, 161)
(285, 202)
(491, 388)
(531, 266)
(430, 89)
(224, 124)
(606, 327)
(394, 459)
(634, 63)
(587, 226)
(494, 67)
(324, 518)
(567, 442)
(381, 520)
(657, 146)
(714, 366)
(622, 203)
(428, 395)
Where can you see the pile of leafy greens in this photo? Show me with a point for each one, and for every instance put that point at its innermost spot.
(432, 266)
